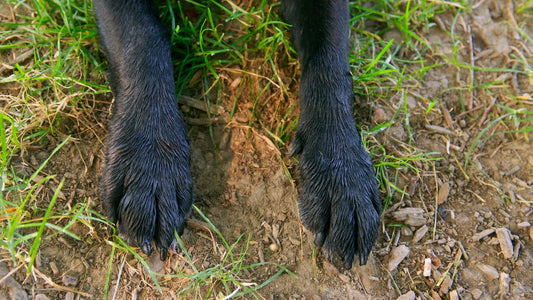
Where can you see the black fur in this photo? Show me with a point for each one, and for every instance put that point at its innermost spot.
(146, 184)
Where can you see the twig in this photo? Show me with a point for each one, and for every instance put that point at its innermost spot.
(204, 121)
(477, 4)
(472, 64)
(457, 5)
(10, 273)
(201, 105)
(16, 60)
(57, 286)
(439, 129)
(118, 278)
(461, 115)
(486, 112)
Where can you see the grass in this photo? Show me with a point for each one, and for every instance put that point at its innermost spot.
(226, 279)
(57, 88)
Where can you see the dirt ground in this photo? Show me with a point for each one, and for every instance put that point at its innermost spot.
(456, 232)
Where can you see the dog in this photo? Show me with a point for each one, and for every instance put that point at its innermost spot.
(146, 185)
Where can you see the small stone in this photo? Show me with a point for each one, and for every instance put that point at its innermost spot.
(235, 83)
(411, 216)
(522, 225)
(478, 236)
(490, 272)
(69, 296)
(406, 231)
(427, 267)
(410, 100)
(41, 297)
(407, 296)
(344, 278)
(69, 280)
(419, 234)
(379, 115)
(398, 254)
(504, 237)
(531, 233)
(273, 247)
(76, 265)
(54, 268)
(446, 285)
(476, 293)
(530, 160)
(454, 295)
(444, 191)
(437, 275)
(493, 241)
(505, 279)
(435, 295)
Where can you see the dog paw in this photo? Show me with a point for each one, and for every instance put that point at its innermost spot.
(339, 199)
(146, 184)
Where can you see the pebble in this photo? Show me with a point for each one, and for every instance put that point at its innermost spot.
(411, 216)
(478, 236)
(444, 191)
(411, 101)
(522, 225)
(54, 268)
(408, 296)
(406, 231)
(454, 295)
(344, 278)
(69, 280)
(504, 237)
(435, 295)
(427, 267)
(530, 160)
(476, 293)
(273, 247)
(69, 296)
(505, 279)
(397, 255)
(419, 234)
(41, 297)
(489, 271)
(379, 115)
(446, 285)
(531, 233)
(76, 265)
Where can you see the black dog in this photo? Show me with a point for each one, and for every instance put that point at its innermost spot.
(146, 182)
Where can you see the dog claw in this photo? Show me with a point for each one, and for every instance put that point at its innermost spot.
(146, 248)
(163, 254)
(319, 239)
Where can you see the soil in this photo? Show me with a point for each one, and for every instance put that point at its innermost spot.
(452, 230)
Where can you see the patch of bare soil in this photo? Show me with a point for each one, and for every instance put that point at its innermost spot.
(459, 232)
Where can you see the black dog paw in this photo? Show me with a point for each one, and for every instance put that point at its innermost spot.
(146, 183)
(339, 199)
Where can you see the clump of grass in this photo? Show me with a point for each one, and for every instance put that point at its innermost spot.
(55, 66)
(47, 80)
(22, 227)
(385, 68)
(227, 279)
